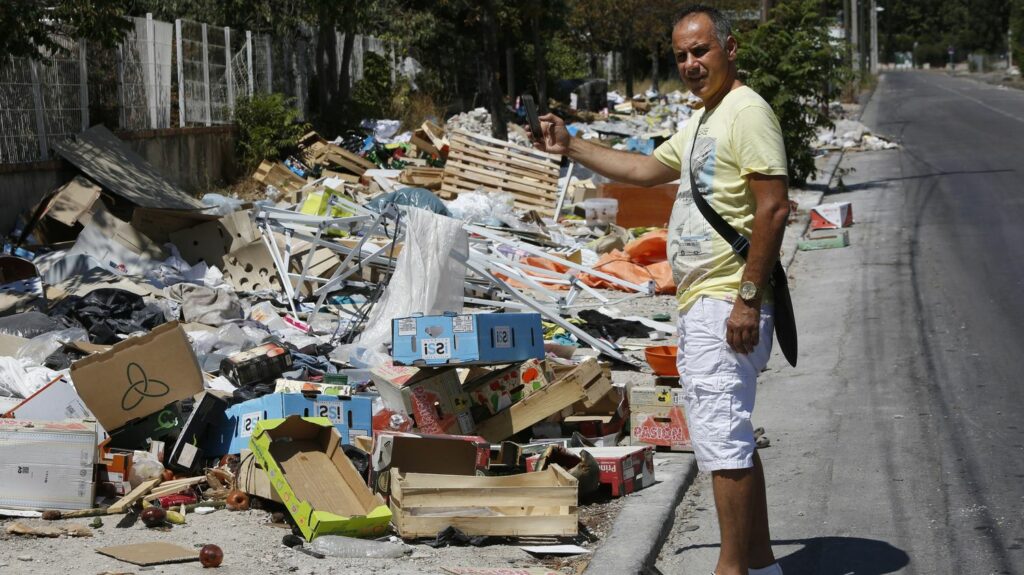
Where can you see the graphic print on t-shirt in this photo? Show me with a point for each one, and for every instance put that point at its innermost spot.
(690, 235)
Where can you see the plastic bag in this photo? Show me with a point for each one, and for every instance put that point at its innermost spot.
(41, 347)
(413, 197)
(19, 380)
(30, 324)
(145, 466)
(429, 274)
(351, 548)
(483, 208)
(223, 204)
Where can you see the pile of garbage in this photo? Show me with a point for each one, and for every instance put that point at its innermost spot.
(851, 135)
(404, 311)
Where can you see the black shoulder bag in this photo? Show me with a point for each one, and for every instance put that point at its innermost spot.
(785, 322)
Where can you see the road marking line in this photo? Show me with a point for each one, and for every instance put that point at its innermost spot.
(983, 104)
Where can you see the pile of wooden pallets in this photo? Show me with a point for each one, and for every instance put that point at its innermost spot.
(478, 162)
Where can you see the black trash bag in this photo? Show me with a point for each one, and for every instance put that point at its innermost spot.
(30, 324)
(602, 326)
(106, 312)
(415, 197)
(360, 460)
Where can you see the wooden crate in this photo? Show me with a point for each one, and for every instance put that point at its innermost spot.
(278, 175)
(526, 505)
(586, 383)
(317, 150)
(479, 162)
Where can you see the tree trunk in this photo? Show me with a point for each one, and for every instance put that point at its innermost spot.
(654, 69)
(326, 67)
(510, 73)
(540, 64)
(345, 77)
(766, 7)
(628, 57)
(490, 82)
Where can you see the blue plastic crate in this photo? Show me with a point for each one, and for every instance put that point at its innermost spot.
(467, 339)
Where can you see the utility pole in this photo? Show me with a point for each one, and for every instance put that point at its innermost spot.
(855, 34)
(874, 37)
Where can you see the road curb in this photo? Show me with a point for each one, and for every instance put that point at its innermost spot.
(644, 523)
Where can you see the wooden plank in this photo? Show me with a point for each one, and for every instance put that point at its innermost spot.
(134, 495)
(415, 526)
(172, 487)
(509, 145)
(435, 497)
(549, 400)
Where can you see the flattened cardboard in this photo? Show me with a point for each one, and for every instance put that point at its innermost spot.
(251, 268)
(115, 245)
(211, 241)
(158, 223)
(316, 480)
(73, 200)
(138, 376)
(153, 553)
(55, 401)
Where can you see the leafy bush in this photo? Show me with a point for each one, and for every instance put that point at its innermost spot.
(268, 127)
(373, 95)
(793, 64)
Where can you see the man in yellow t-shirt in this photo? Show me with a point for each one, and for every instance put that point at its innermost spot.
(734, 147)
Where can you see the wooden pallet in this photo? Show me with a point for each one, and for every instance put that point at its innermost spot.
(535, 504)
(479, 162)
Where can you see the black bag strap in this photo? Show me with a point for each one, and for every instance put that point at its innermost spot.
(785, 323)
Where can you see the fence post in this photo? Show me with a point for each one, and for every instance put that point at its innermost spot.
(181, 74)
(229, 73)
(151, 68)
(270, 66)
(123, 104)
(206, 76)
(83, 92)
(37, 100)
(248, 61)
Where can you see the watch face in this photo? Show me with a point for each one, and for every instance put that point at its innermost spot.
(748, 290)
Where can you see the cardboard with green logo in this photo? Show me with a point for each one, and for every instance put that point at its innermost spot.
(138, 376)
(325, 495)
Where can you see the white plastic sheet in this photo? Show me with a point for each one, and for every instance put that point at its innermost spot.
(429, 274)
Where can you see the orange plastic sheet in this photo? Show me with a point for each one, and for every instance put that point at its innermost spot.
(643, 259)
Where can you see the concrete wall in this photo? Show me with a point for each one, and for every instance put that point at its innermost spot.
(196, 159)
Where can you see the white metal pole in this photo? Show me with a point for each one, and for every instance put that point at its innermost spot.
(270, 67)
(37, 100)
(855, 34)
(181, 73)
(229, 75)
(151, 71)
(206, 77)
(83, 76)
(248, 61)
(874, 37)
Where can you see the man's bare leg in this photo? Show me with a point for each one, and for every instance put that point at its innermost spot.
(734, 499)
(761, 554)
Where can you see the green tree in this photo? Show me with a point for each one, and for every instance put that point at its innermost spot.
(791, 61)
(30, 27)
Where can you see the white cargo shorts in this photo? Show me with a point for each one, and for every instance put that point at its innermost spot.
(719, 384)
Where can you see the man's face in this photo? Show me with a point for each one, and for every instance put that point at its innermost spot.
(703, 63)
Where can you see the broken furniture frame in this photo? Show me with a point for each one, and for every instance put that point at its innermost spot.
(311, 229)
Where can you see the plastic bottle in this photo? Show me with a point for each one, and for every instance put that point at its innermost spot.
(349, 547)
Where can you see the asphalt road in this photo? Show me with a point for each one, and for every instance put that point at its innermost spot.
(897, 442)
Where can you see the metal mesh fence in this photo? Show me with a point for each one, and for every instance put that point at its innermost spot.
(41, 102)
(187, 72)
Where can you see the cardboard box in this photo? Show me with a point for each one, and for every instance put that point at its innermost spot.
(116, 245)
(186, 455)
(47, 465)
(433, 398)
(623, 469)
(832, 216)
(494, 391)
(351, 416)
(450, 339)
(322, 490)
(261, 363)
(55, 401)
(657, 418)
(449, 455)
(160, 425)
(253, 479)
(138, 376)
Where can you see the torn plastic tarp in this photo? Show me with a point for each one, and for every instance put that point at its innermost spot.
(414, 197)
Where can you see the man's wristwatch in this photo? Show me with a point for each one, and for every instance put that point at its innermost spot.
(749, 292)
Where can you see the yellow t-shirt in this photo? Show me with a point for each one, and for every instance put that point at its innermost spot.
(739, 137)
